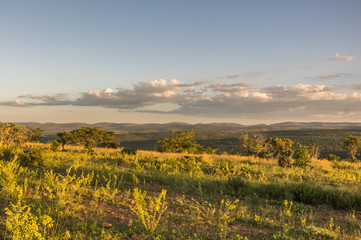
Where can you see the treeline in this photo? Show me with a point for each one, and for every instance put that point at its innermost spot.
(286, 151)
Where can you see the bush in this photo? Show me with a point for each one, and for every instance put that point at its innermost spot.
(332, 157)
(129, 151)
(32, 157)
(7, 154)
(302, 157)
(284, 161)
(54, 146)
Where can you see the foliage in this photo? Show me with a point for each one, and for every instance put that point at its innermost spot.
(34, 134)
(54, 146)
(179, 142)
(281, 149)
(220, 216)
(32, 157)
(63, 138)
(12, 135)
(89, 136)
(22, 224)
(332, 157)
(253, 143)
(302, 156)
(352, 143)
(10, 176)
(149, 212)
(129, 151)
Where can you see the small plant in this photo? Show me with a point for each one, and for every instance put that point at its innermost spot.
(149, 212)
(22, 224)
(220, 216)
(287, 208)
(9, 178)
(32, 157)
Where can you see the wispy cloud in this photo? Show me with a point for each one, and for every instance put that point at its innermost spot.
(254, 74)
(232, 76)
(15, 103)
(332, 76)
(338, 57)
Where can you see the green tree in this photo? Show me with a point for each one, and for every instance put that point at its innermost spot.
(352, 143)
(302, 156)
(12, 135)
(90, 136)
(63, 138)
(281, 149)
(253, 143)
(180, 142)
(34, 134)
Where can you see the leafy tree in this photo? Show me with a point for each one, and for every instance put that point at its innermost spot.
(179, 142)
(302, 156)
(281, 148)
(313, 151)
(253, 143)
(90, 136)
(63, 138)
(12, 135)
(34, 134)
(352, 143)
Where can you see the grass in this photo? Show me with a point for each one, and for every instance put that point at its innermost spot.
(153, 195)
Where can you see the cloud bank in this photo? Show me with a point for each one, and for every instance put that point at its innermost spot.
(219, 99)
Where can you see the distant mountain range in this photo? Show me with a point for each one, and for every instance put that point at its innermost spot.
(123, 128)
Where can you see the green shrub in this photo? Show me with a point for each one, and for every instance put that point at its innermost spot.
(7, 154)
(332, 157)
(149, 212)
(129, 151)
(32, 157)
(54, 146)
(302, 157)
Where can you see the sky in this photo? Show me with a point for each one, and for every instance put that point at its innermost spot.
(200, 61)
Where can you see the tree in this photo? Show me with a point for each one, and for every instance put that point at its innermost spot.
(63, 138)
(302, 156)
(253, 143)
(281, 148)
(34, 134)
(90, 136)
(180, 142)
(352, 143)
(12, 135)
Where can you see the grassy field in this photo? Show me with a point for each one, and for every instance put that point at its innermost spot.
(153, 195)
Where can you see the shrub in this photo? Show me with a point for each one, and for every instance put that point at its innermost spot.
(284, 161)
(7, 154)
(22, 224)
(302, 157)
(32, 157)
(332, 157)
(54, 146)
(180, 142)
(149, 213)
(129, 151)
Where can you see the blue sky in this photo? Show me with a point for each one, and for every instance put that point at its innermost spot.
(194, 61)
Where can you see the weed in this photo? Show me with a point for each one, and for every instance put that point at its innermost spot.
(149, 212)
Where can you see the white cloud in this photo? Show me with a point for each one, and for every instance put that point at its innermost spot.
(338, 57)
(213, 99)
